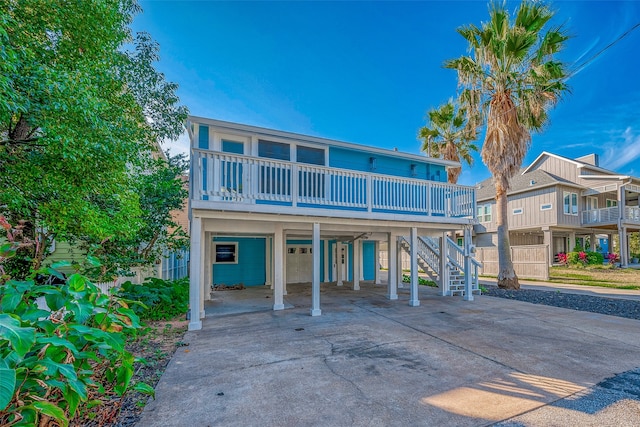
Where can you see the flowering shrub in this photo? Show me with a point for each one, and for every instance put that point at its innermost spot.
(582, 257)
(562, 258)
(613, 258)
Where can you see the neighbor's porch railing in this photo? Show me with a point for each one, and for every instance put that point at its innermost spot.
(610, 215)
(243, 179)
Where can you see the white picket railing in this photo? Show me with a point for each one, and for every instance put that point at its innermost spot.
(243, 179)
(610, 215)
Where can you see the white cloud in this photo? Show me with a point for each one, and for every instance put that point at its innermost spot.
(623, 151)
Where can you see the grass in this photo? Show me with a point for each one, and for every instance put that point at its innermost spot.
(625, 278)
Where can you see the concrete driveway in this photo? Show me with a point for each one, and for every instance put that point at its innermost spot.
(368, 361)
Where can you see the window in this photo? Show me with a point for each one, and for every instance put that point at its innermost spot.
(226, 252)
(592, 203)
(274, 150)
(232, 147)
(546, 207)
(313, 156)
(518, 211)
(484, 213)
(612, 203)
(570, 203)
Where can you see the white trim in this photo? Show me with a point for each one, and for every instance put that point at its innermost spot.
(224, 243)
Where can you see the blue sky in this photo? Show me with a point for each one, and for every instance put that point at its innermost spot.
(367, 72)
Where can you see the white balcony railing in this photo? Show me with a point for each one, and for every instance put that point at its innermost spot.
(223, 177)
(610, 215)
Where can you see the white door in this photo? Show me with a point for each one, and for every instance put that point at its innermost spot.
(340, 260)
(299, 263)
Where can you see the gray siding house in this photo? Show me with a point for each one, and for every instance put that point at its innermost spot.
(556, 200)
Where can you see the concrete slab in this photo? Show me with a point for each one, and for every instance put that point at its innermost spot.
(374, 362)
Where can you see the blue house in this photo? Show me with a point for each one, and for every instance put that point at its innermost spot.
(271, 208)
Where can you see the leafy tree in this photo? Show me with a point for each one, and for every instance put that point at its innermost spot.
(449, 137)
(79, 113)
(511, 79)
(160, 189)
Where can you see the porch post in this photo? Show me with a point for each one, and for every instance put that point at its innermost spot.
(268, 260)
(208, 273)
(400, 264)
(444, 269)
(572, 241)
(315, 284)
(376, 262)
(548, 240)
(592, 242)
(355, 266)
(326, 260)
(414, 300)
(339, 263)
(284, 262)
(624, 250)
(195, 282)
(468, 294)
(392, 282)
(278, 267)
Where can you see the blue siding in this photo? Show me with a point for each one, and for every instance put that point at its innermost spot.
(386, 165)
(369, 261)
(250, 268)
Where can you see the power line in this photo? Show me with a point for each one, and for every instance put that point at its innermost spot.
(588, 61)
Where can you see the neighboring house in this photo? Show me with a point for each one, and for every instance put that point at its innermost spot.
(556, 201)
(270, 208)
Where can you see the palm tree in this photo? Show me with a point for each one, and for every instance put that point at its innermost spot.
(449, 137)
(510, 79)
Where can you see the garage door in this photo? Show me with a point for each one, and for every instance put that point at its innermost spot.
(299, 263)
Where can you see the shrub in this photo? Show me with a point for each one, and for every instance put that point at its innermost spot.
(613, 258)
(421, 281)
(157, 299)
(562, 258)
(583, 258)
(58, 359)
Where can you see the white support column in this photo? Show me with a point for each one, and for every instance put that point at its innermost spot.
(624, 247)
(572, 241)
(468, 295)
(392, 282)
(195, 281)
(208, 270)
(315, 283)
(284, 262)
(444, 268)
(376, 262)
(268, 262)
(548, 240)
(414, 300)
(355, 265)
(326, 260)
(278, 266)
(399, 263)
(339, 263)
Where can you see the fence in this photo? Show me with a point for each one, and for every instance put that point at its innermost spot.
(530, 261)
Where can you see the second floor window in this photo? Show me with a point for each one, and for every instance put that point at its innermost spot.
(274, 150)
(484, 213)
(570, 203)
(612, 203)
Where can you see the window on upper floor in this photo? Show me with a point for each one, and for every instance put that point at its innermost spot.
(484, 213)
(570, 203)
(611, 203)
(274, 150)
(313, 156)
(592, 203)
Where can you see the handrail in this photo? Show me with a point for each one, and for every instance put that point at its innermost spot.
(426, 253)
(238, 178)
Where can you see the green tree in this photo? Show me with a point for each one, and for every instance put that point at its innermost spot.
(510, 78)
(447, 136)
(79, 114)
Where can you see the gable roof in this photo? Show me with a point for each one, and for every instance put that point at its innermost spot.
(520, 183)
(578, 164)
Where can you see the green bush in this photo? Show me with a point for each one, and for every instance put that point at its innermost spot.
(157, 299)
(59, 361)
(585, 258)
(421, 281)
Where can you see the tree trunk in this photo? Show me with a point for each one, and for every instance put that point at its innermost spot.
(507, 278)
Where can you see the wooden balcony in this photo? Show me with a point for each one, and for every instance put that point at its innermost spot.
(610, 216)
(223, 181)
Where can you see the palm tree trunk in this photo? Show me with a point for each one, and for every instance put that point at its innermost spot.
(507, 278)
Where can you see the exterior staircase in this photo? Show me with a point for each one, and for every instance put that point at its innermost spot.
(428, 258)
